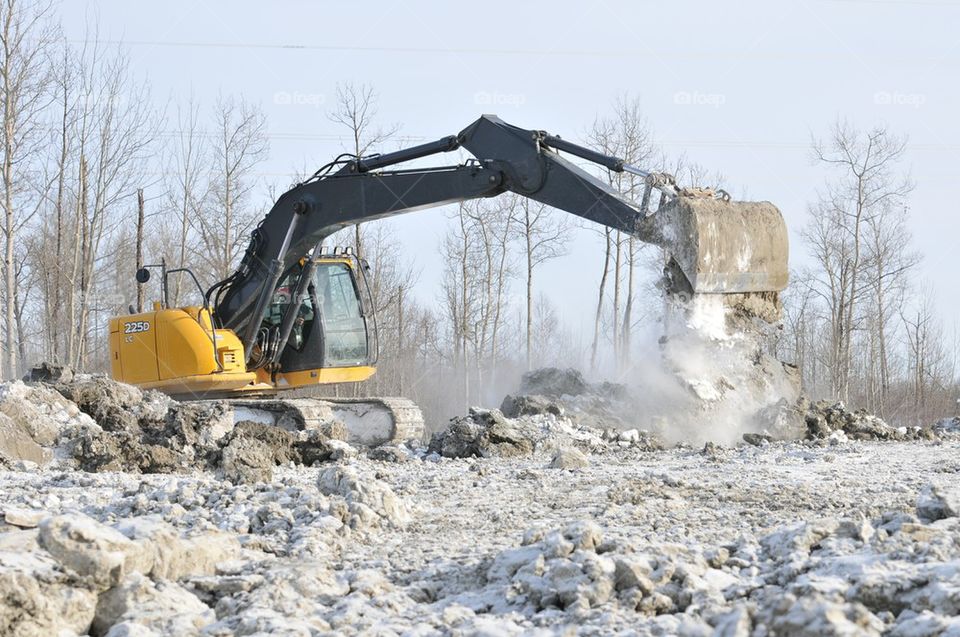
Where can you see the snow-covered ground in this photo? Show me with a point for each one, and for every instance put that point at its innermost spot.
(788, 538)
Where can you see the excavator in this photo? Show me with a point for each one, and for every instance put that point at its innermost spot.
(296, 314)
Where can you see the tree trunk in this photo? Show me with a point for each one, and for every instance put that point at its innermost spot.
(600, 295)
(140, 220)
(617, 273)
(400, 345)
(529, 287)
(628, 307)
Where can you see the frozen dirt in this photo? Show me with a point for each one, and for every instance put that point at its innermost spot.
(127, 514)
(791, 538)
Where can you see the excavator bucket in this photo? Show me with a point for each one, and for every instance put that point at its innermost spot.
(726, 247)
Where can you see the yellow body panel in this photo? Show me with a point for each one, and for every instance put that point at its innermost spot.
(173, 350)
(133, 344)
(322, 376)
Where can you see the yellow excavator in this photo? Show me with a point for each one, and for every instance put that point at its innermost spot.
(294, 315)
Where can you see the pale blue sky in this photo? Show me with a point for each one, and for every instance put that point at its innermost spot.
(737, 87)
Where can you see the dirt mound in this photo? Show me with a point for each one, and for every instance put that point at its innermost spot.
(554, 382)
(947, 426)
(825, 419)
(485, 433)
(565, 393)
(90, 422)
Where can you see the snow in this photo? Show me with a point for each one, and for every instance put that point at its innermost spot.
(801, 537)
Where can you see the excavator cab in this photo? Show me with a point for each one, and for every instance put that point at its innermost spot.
(333, 333)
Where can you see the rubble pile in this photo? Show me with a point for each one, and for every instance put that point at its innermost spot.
(80, 421)
(825, 420)
(947, 426)
(564, 392)
(489, 433)
(127, 513)
(160, 558)
(92, 423)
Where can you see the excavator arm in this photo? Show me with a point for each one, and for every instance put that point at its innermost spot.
(507, 158)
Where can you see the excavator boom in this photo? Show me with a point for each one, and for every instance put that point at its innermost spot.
(719, 246)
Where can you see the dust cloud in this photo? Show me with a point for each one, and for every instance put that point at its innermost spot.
(710, 376)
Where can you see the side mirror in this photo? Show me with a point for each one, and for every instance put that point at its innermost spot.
(143, 275)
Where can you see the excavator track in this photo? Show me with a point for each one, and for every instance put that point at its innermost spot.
(365, 422)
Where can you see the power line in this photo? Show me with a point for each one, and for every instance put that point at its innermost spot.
(619, 54)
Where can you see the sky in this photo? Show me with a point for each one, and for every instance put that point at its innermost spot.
(739, 88)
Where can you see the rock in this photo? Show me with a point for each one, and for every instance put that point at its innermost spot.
(569, 458)
(49, 373)
(585, 534)
(554, 382)
(482, 433)
(937, 502)
(37, 598)
(113, 405)
(340, 450)
(523, 405)
(634, 572)
(314, 446)
(859, 529)
(16, 444)
(757, 440)
(816, 617)
(173, 557)
(736, 623)
(130, 629)
(252, 451)
(799, 538)
(823, 419)
(23, 518)
(92, 550)
(291, 599)
(364, 491)
(783, 419)
(19, 541)
(41, 411)
(389, 453)
(162, 607)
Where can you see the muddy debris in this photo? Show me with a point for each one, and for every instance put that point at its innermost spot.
(89, 422)
(482, 433)
(825, 420)
(565, 393)
(757, 440)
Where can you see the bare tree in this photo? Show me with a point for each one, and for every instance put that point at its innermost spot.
(459, 290)
(239, 144)
(866, 182)
(66, 94)
(186, 162)
(929, 364)
(543, 235)
(26, 34)
(117, 127)
(889, 262)
(356, 110)
(623, 134)
(141, 221)
(391, 280)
